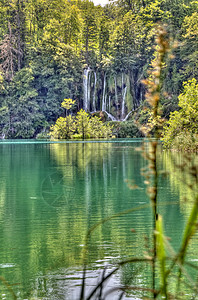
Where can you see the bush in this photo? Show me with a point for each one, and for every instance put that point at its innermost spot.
(181, 129)
(127, 129)
(80, 127)
(186, 141)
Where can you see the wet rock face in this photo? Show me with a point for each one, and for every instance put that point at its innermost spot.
(116, 95)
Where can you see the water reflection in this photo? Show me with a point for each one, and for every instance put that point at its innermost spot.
(51, 194)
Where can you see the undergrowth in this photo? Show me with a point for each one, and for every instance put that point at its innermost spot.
(168, 267)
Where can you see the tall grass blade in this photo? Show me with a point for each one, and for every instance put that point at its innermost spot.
(101, 283)
(8, 287)
(101, 288)
(104, 278)
(83, 283)
(190, 230)
(161, 255)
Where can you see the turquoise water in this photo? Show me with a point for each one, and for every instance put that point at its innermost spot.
(52, 193)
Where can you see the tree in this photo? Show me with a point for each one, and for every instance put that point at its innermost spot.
(131, 5)
(181, 130)
(64, 128)
(104, 36)
(98, 129)
(131, 49)
(20, 31)
(58, 39)
(67, 104)
(12, 29)
(20, 115)
(90, 30)
(190, 49)
(8, 54)
(82, 124)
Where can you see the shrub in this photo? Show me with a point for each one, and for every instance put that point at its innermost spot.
(82, 126)
(127, 129)
(181, 129)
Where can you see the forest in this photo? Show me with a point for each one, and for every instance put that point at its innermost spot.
(97, 56)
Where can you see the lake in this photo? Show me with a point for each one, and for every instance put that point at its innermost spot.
(51, 193)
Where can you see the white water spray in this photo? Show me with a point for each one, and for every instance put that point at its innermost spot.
(94, 92)
(86, 89)
(123, 102)
(104, 96)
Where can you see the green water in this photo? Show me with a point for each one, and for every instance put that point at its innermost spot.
(52, 193)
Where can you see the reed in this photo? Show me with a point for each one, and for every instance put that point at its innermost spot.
(8, 286)
(167, 265)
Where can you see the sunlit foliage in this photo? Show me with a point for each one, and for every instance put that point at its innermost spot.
(59, 39)
(82, 126)
(181, 131)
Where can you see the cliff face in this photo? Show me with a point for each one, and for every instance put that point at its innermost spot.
(116, 94)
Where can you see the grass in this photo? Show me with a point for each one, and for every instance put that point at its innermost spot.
(168, 267)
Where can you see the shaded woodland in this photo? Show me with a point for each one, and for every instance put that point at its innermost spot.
(98, 56)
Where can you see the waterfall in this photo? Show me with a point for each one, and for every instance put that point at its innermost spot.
(104, 96)
(86, 89)
(122, 84)
(105, 101)
(113, 95)
(94, 92)
(123, 102)
(128, 115)
(116, 93)
(2, 137)
(110, 116)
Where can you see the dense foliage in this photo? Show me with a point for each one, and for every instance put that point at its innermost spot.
(48, 49)
(181, 131)
(83, 126)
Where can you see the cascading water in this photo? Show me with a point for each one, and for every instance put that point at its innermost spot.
(86, 89)
(116, 93)
(110, 116)
(104, 95)
(123, 102)
(112, 94)
(127, 116)
(122, 85)
(109, 103)
(105, 101)
(94, 92)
